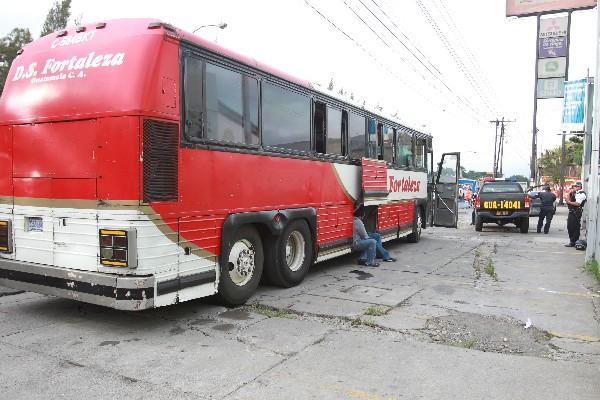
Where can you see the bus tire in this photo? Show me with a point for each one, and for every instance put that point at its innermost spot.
(241, 267)
(478, 223)
(524, 226)
(415, 236)
(289, 256)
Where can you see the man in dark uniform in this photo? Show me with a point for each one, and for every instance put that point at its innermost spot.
(575, 201)
(546, 209)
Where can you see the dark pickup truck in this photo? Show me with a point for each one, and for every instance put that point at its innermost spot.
(502, 202)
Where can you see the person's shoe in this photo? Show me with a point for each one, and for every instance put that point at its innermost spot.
(539, 231)
(362, 262)
(545, 233)
(371, 264)
(389, 259)
(570, 245)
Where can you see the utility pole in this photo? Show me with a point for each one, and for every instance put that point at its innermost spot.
(499, 145)
(563, 156)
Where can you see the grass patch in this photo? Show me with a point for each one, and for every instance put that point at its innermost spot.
(365, 322)
(271, 312)
(376, 311)
(467, 344)
(490, 270)
(593, 268)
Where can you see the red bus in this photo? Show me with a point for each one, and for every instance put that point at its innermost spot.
(142, 166)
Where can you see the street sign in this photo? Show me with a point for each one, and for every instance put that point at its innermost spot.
(552, 67)
(553, 27)
(550, 88)
(554, 46)
(573, 117)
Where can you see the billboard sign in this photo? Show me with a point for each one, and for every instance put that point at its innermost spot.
(522, 8)
(573, 116)
(550, 47)
(552, 67)
(553, 27)
(550, 88)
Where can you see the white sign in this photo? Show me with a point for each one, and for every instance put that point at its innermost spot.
(550, 88)
(553, 27)
(552, 67)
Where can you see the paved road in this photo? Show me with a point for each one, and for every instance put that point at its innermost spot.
(446, 321)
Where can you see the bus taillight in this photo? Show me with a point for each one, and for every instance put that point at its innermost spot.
(117, 248)
(5, 237)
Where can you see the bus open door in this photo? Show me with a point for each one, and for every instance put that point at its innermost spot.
(445, 203)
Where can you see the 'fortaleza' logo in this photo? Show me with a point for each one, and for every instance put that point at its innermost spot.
(74, 67)
(404, 185)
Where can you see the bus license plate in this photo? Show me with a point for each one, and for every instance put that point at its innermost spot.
(35, 224)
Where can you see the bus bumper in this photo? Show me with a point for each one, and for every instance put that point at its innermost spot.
(115, 291)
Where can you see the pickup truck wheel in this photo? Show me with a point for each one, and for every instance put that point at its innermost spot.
(478, 223)
(524, 226)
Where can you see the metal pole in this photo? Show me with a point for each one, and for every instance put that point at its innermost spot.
(533, 172)
(563, 156)
(495, 167)
(501, 149)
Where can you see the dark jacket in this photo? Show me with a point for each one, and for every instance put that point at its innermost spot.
(548, 199)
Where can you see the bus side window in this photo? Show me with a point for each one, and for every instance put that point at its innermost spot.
(193, 98)
(344, 132)
(420, 156)
(372, 139)
(387, 144)
(335, 131)
(404, 148)
(285, 118)
(356, 136)
(319, 129)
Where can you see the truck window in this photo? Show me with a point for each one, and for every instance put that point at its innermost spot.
(502, 188)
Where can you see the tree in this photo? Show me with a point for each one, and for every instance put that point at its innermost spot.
(471, 174)
(549, 162)
(57, 18)
(519, 178)
(9, 45)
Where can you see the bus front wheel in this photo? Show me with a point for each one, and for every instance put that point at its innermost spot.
(241, 267)
(289, 256)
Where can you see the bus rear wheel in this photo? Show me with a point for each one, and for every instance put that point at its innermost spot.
(415, 236)
(288, 258)
(241, 267)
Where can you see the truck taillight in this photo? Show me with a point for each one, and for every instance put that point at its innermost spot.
(5, 237)
(526, 201)
(118, 248)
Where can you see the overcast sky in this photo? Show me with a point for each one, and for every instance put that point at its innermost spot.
(445, 67)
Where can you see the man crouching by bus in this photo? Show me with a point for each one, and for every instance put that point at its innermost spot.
(368, 243)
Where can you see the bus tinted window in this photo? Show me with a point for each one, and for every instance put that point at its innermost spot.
(193, 97)
(251, 110)
(285, 118)
(224, 105)
(334, 131)
(404, 154)
(420, 154)
(356, 135)
(372, 139)
(388, 144)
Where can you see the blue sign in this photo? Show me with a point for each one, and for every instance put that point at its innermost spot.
(573, 118)
(552, 47)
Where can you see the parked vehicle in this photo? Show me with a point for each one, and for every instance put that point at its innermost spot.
(535, 202)
(502, 202)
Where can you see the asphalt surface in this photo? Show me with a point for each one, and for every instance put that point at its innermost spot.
(460, 315)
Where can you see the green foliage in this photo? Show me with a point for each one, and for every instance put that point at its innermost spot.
(549, 162)
(57, 17)
(593, 268)
(472, 174)
(9, 45)
(376, 311)
(519, 178)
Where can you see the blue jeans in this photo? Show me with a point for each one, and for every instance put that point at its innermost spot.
(371, 247)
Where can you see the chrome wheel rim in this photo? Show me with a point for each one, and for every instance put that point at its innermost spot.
(294, 251)
(241, 262)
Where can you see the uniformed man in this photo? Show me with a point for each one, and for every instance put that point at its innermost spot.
(546, 209)
(575, 201)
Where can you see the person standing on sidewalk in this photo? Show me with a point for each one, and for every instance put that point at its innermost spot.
(575, 201)
(546, 209)
(368, 243)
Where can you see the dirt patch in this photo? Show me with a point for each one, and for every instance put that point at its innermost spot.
(488, 333)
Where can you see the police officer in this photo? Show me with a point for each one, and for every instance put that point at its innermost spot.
(575, 201)
(546, 210)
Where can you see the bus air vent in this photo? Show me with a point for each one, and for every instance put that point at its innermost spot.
(160, 161)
